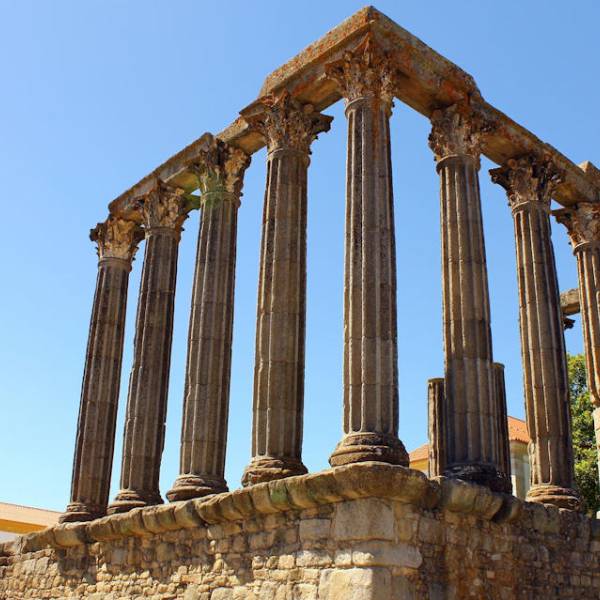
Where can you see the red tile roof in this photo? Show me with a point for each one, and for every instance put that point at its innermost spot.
(517, 432)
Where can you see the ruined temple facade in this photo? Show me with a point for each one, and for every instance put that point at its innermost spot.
(369, 527)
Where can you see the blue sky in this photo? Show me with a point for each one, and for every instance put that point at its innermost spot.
(98, 93)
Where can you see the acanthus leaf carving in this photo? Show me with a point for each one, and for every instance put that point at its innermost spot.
(117, 238)
(527, 179)
(164, 206)
(365, 72)
(582, 223)
(285, 123)
(220, 170)
(457, 130)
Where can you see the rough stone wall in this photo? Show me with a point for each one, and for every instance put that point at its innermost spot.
(362, 532)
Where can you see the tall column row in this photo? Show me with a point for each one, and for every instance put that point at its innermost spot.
(117, 241)
(158, 216)
(467, 408)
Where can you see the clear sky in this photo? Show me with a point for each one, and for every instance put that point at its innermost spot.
(98, 93)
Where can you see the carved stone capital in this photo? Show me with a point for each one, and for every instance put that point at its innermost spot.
(164, 207)
(117, 238)
(220, 170)
(528, 180)
(286, 124)
(457, 131)
(582, 223)
(365, 72)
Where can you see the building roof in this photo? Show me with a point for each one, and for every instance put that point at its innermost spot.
(517, 432)
(420, 453)
(23, 519)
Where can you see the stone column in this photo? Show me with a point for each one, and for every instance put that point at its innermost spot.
(117, 241)
(472, 451)
(163, 211)
(529, 183)
(503, 439)
(365, 77)
(436, 429)
(206, 397)
(288, 128)
(583, 226)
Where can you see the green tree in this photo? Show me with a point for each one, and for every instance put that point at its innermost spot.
(584, 442)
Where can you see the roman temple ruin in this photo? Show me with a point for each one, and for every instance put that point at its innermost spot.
(369, 527)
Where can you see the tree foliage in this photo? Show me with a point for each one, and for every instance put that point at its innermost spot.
(584, 442)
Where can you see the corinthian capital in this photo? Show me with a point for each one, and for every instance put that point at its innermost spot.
(164, 206)
(220, 170)
(528, 180)
(117, 238)
(285, 123)
(365, 72)
(582, 223)
(456, 130)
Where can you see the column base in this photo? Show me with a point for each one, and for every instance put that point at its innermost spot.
(189, 486)
(79, 511)
(555, 495)
(266, 468)
(482, 474)
(129, 499)
(362, 447)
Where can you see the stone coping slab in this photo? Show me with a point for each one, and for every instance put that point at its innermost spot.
(349, 482)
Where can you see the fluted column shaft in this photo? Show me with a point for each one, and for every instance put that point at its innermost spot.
(365, 78)
(143, 441)
(529, 183)
(279, 367)
(436, 403)
(588, 266)
(503, 437)
(472, 451)
(278, 403)
(208, 369)
(435, 425)
(583, 226)
(92, 464)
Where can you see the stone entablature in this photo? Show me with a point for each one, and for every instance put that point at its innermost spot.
(364, 531)
(429, 81)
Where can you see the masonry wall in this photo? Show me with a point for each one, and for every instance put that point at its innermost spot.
(367, 531)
